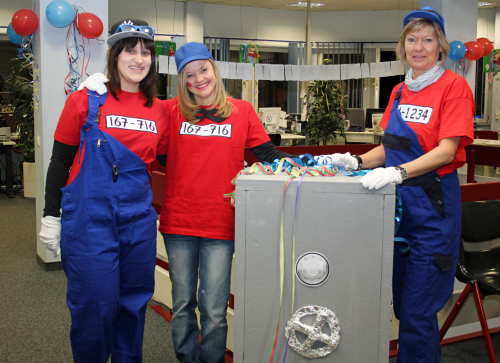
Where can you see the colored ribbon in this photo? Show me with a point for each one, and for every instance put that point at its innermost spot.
(293, 257)
(73, 77)
(294, 167)
(282, 268)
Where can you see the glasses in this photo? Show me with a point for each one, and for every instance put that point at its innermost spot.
(140, 28)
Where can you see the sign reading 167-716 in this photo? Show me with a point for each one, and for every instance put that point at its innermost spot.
(223, 130)
(130, 123)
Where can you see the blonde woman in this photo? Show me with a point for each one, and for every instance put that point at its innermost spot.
(208, 134)
(427, 125)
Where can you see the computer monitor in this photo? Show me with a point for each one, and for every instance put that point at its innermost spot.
(270, 118)
(356, 117)
(283, 123)
(4, 133)
(369, 118)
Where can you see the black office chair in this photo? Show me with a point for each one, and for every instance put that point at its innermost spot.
(275, 139)
(356, 117)
(478, 268)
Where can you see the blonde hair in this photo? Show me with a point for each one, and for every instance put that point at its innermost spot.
(188, 106)
(416, 24)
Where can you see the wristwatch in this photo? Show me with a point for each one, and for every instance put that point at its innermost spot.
(402, 171)
(360, 161)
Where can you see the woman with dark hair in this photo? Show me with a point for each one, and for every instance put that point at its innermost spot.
(427, 125)
(99, 177)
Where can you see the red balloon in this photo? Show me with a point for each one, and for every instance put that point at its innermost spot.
(486, 44)
(24, 22)
(89, 25)
(473, 51)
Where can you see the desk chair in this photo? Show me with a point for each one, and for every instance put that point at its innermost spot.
(7, 177)
(356, 116)
(478, 268)
(275, 139)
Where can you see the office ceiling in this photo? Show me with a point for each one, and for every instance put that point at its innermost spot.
(329, 5)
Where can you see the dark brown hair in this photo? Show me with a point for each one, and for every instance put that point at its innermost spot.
(148, 84)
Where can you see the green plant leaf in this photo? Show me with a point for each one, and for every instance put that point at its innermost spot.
(20, 84)
(326, 109)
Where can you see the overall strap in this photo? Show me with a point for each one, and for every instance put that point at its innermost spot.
(95, 101)
(397, 224)
(395, 104)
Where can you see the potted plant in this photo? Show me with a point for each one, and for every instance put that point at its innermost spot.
(326, 108)
(20, 84)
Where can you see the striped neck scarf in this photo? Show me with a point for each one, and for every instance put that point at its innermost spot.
(426, 79)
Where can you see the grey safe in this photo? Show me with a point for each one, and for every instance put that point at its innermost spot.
(342, 269)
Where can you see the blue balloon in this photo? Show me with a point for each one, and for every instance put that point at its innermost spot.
(60, 13)
(13, 36)
(457, 50)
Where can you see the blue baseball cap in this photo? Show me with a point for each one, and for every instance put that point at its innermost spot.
(190, 52)
(427, 13)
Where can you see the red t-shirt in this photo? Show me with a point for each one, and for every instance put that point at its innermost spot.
(202, 160)
(443, 109)
(146, 139)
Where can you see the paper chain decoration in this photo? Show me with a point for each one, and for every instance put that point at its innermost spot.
(291, 72)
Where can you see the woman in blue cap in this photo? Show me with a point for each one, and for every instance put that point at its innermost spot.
(107, 230)
(208, 134)
(427, 125)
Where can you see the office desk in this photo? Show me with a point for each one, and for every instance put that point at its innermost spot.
(6, 148)
(486, 142)
(288, 139)
(364, 137)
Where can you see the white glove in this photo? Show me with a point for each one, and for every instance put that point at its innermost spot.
(349, 162)
(95, 82)
(379, 177)
(50, 234)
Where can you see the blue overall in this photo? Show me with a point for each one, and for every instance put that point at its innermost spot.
(423, 277)
(108, 247)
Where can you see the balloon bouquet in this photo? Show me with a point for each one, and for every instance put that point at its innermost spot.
(24, 24)
(60, 14)
(463, 53)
